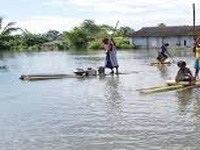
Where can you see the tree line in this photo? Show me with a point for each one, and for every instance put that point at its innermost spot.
(88, 35)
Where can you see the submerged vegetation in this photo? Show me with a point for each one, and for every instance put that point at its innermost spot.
(86, 36)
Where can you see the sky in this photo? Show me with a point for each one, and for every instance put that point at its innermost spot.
(39, 16)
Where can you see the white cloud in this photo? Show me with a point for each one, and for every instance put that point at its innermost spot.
(136, 14)
(41, 24)
(121, 6)
(106, 6)
(44, 23)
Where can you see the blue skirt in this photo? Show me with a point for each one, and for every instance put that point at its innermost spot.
(108, 63)
(197, 64)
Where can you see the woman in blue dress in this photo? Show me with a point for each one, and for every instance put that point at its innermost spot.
(111, 55)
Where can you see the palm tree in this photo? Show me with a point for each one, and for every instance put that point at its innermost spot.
(8, 29)
(5, 33)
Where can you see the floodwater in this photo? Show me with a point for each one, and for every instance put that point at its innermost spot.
(95, 113)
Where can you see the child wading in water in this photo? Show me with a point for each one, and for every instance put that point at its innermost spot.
(184, 73)
(111, 55)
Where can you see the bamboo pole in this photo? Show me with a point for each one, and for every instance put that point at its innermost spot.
(176, 87)
(162, 89)
(46, 76)
(196, 85)
(151, 88)
(194, 22)
(159, 63)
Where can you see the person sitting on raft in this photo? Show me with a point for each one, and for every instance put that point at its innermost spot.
(184, 73)
(163, 53)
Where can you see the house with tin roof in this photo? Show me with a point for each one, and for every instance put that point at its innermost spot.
(154, 37)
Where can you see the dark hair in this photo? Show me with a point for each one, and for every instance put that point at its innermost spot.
(105, 40)
(166, 44)
(181, 64)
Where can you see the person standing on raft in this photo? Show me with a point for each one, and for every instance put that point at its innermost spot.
(111, 55)
(163, 53)
(196, 50)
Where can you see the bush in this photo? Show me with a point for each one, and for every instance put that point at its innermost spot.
(95, 45)
(125, 46)
(34, 48)
(123, 43)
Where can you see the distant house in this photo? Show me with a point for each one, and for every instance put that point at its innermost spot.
(154, 37)
(54, 45)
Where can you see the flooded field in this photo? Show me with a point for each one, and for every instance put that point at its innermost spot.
(95, 113)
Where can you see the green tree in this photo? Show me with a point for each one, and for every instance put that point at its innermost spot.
(90, 36)
(90, 27)
(105, 27)
(53, 35)
(124, 31)
(5, 33)
(30, 39)
(77, 38)
(162, 25)
(16, 44)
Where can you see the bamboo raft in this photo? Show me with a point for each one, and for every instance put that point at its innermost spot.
(171, 85)
(35, 77)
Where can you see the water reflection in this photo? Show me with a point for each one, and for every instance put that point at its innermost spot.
(114, 98)
(196, 105)
(189, 101)
(164, 71)
(6, 55)
(184, 100)
(1, 56)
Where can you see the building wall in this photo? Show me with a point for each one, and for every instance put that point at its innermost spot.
(156, 42)
(186, 41)
(173, 41)
(147, 42)
(139, 41)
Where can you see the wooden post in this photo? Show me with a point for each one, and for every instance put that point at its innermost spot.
(194, 27)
